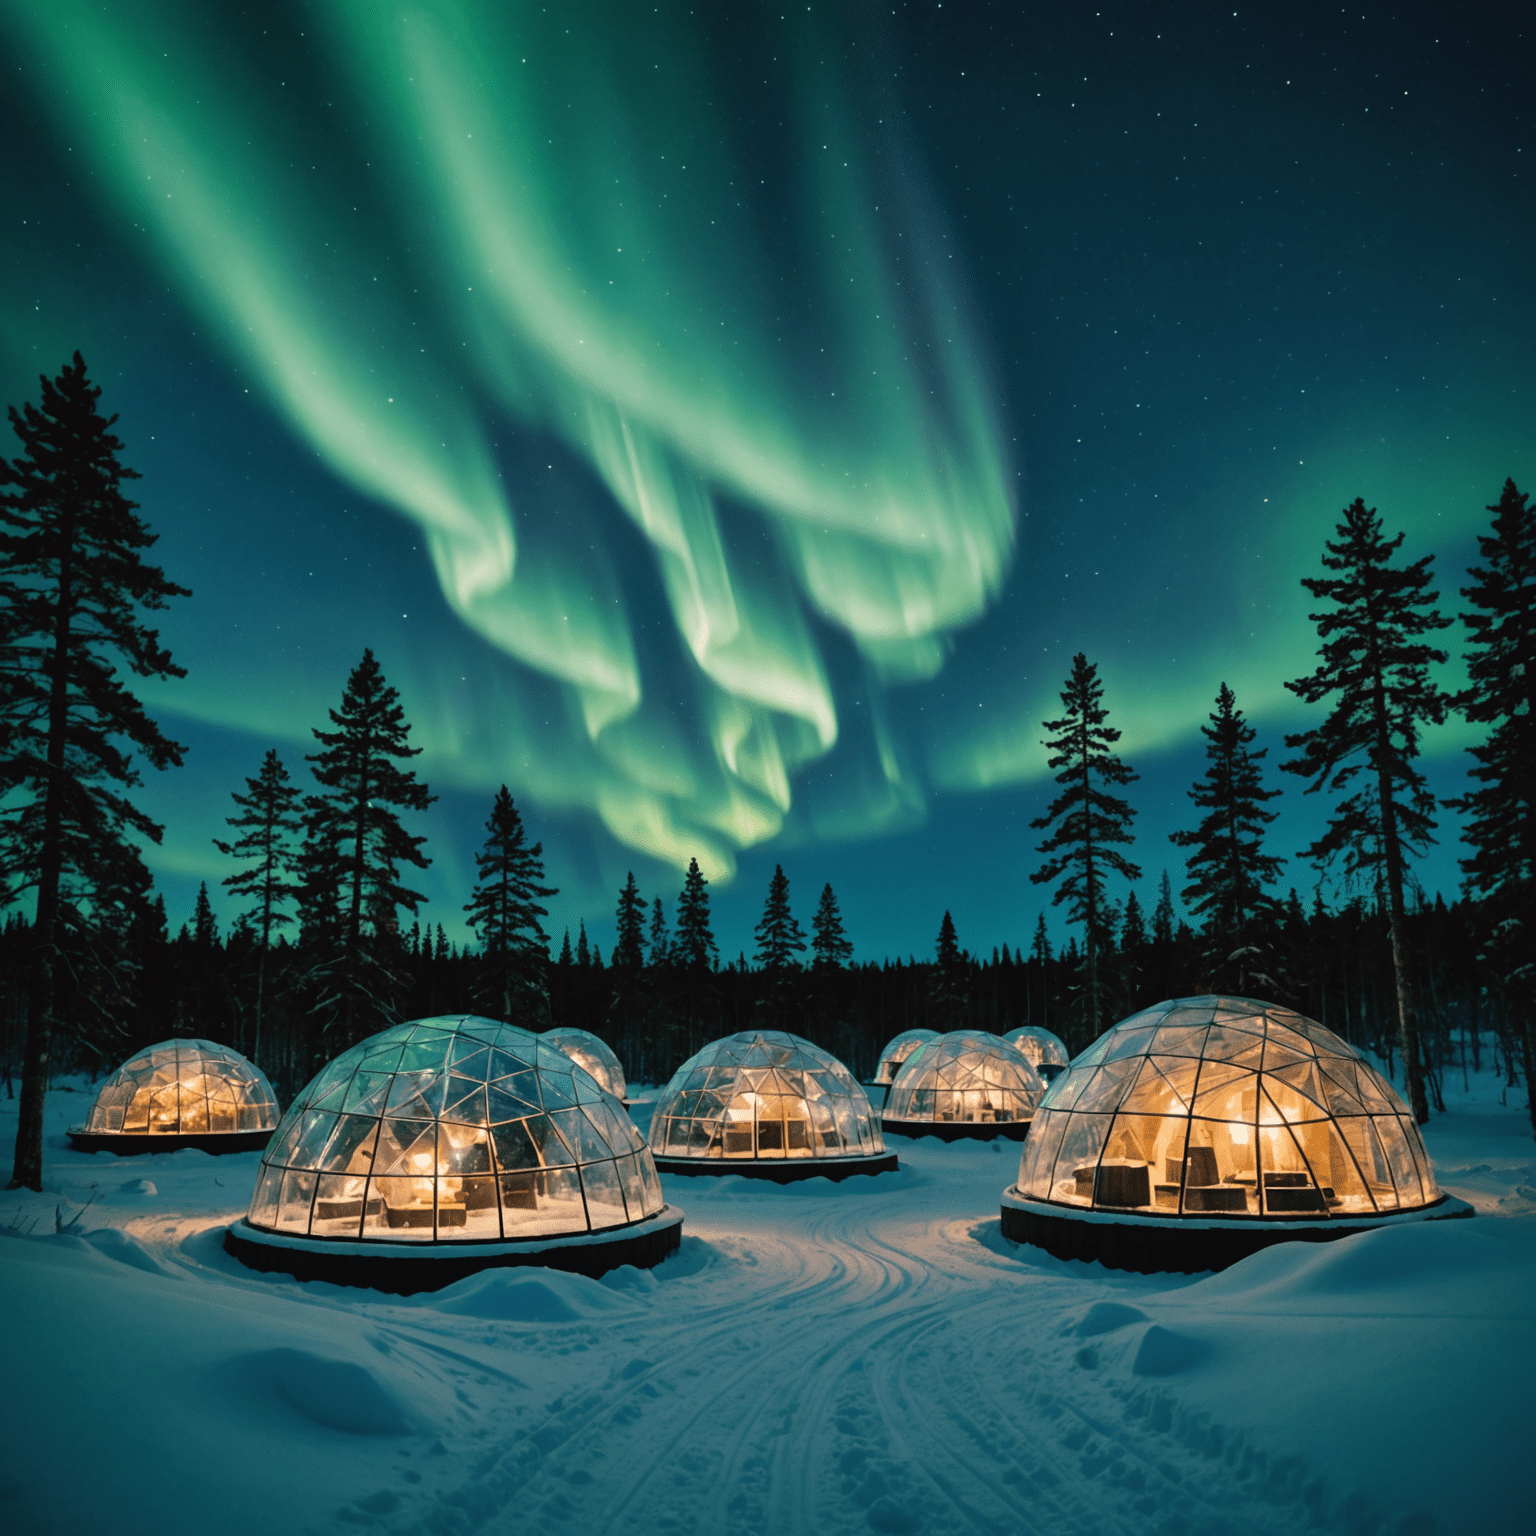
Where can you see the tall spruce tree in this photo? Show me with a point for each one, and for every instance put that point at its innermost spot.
(695, 948)
(660, 939)
(629, 918)
(504, 911)
(779, 936)
(1089, 823)
(949, 991)
(73, 586)
(1375, 669)
(829, 944)
(354, 846)
(269, 822)
(1228, 868)
(1501, 812)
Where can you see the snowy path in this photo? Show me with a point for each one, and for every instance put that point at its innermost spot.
(829, 1358)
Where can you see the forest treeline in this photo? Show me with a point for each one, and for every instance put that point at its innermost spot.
(329, 944)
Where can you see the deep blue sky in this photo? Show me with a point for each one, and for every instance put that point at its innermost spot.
(726, 430)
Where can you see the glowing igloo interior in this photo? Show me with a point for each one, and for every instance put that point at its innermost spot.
(183, 1088)
(452, 1129)
(894, 1056)
(764, 1095)
(966, 1077)
(586, 1050)
(1225, 1107)
(1045, 1052)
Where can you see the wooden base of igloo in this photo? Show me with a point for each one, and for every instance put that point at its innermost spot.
(1184, 1245)
(958, 1130)
(782, 1170)
(404, 1269)
(136, 1143)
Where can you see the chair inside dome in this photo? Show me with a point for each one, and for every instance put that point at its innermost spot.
(1204, 1109)
(183, 1088)
(454, 1129)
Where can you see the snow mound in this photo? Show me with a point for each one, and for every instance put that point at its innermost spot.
(1162, 1352)
(1106, 1317)
(335, 1394)
(527, 1296)
(125, 1248)
(137, 1187)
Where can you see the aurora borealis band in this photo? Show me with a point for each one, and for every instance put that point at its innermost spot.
(725, 427)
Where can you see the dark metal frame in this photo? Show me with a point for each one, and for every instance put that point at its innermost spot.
(787, 1170)
(959, 1130)
(1149, 1245)
(135, 1143)
(406, 1274)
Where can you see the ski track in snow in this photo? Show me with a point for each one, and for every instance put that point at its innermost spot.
(870, 1356)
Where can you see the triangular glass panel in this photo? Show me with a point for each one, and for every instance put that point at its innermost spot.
(415, 1096)
(469, 1108)
(1108, 1086)
(367, 1092)
(1224, 1043)
(1279, 1034)
(502, 1106)
(1292, 1107)
(1303, 1078)
(1232, 1099)
(503, 1063)
(1277, 1056)
(1129, 1042)
(1180, 1040)
(470, 1059)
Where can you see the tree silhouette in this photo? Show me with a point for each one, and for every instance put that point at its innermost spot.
(629, 948)
(1228, 868)
(661, 940)
(1501, 813)
(1375, 668)
(504, 911)
(779, 937)
(73, 582)
(1089, 822)
(695, 948)
(830, 946)
(355, 844)
(268, 823)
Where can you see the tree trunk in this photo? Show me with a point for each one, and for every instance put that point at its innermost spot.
(1407, 1017)
(28, 1171)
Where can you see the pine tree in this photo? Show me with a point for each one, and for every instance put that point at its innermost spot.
(696, 948)
(504, 911)
(72, 583)
(567, 959)
(269, 822)
(779, 937)
(1040, 949)
(661, 940)
(1501, 813)
(949, 990)
(1163, 914)
(1228, 869)
(583, 950)
(1133, 936)
(829, 944)
(1089, 821)
(1375, 665)
(354, 846)
(629, 918)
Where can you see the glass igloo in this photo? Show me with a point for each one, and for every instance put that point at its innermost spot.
(894, 1056)
(586, 1050)
(180, 1093)
(1200, 1130)
(1045, 1052)
(447, 1145)
(966, 1084)
(769, 1105)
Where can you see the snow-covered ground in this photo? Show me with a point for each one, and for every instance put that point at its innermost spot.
(871, 1355)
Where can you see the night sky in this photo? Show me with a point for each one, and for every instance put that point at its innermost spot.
(725, 424)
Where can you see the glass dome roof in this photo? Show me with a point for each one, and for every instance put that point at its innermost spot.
(586, 1050)
(965, 1077)
(183, 1088)
(1215, 1106)
(1041, 1049)
(764, 1094)
(892, 1057)
(450, 1129)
